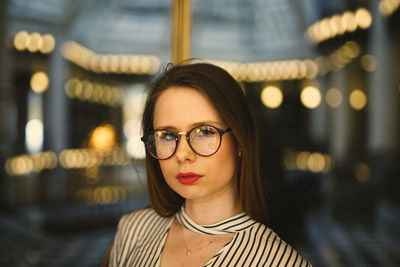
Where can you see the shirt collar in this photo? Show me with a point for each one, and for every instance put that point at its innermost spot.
(237, 223)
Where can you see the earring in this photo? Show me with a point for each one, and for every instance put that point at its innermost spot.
(240, 154)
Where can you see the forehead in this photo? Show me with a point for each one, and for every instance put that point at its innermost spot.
(181, 107)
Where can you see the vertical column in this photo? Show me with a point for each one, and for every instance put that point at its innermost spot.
(340, 119)
(317, 116)
(384, 96)
(8, 115)
(56, 126)
(181, 30)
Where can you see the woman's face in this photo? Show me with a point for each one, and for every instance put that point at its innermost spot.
(179, 109)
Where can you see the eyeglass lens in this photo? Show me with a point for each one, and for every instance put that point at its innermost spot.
(204, 140)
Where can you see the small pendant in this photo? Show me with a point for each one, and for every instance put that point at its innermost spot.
(188, 253)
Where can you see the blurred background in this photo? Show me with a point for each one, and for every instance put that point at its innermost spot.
(322, 78)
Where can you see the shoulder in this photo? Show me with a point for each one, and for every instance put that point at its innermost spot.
(138, 219)
(272, 249)
(133, 232)
(138, 215)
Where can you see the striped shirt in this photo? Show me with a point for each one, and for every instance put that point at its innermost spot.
(141, 236)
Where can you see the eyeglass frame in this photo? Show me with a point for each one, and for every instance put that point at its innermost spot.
(221, 132)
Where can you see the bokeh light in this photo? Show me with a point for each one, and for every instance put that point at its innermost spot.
(316, 162)
(21, 40)
(302, 160)
(39, 82)
(357, 99)
(34, 135)
(271, 96)
(368, 62)
(35, 42)
(363, 18)
(48, 44)
(103, 137)
(333, 97)
(310, 97)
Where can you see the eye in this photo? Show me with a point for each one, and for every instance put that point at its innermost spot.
(205, 131)
(165, 135)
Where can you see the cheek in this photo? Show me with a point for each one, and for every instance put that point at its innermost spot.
(226, 157)
(165, 166)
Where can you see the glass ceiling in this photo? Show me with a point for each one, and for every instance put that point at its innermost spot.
(232, 30)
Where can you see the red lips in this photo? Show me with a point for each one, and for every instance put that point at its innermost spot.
(188, 177)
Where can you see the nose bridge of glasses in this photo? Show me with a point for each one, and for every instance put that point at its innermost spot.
(179, 134)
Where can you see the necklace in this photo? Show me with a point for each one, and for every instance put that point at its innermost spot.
(188, 251)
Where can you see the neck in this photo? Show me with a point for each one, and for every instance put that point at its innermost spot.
(211, 212)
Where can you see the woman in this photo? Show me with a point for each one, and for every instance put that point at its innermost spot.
(206, 202)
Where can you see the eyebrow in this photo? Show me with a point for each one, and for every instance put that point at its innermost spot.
(191, 126)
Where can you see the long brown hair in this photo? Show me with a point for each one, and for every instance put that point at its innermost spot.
(229, 100)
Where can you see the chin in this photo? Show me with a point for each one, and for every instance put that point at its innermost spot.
(187, 193)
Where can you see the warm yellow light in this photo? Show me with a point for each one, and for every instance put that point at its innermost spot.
(302, 160)
(362, 172)
(293, 69)
(252, 72)
(39, 82)
(25, 164)
(21, 40)
(316, 162)
(155, 61)
(368, 62)
(94, 63)
(114, 63)
(103, 137)
(35, 42)
(22, 165)
(328, 163)
(316, 33)
(78, 158)
(302, 69)
(104, 63)
(333, 25)
(341, 55)
(310, 33)
(349, 21)
(358, 99)
(78, 89)
(387, 7)
(363, 18)
(124, 64)
(336, 24)
(97, 92)
(145, 65)
(312, 68)
(50, 159)
(69, 87)
(271, 96)
(87, 90)
(333, 97)
(77, 54)
(134, 64)
(325, 29)
(289, 160)
(310, 97)
(354, 49)
(48, 44)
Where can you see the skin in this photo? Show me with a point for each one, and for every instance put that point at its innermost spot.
(209, 200)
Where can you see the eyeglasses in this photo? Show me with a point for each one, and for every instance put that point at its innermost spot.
(204, 140)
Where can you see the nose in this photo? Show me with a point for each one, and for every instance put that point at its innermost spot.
(183, 151)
